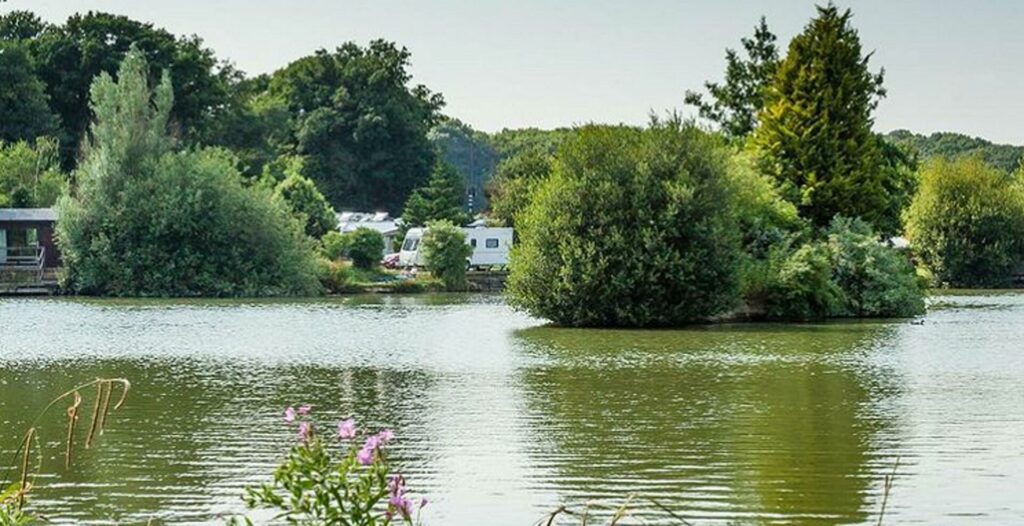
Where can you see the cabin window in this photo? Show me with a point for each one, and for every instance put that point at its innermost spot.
(472, 243)
(492, 243)
(411, 244)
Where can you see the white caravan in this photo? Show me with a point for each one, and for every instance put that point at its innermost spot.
(491, 247)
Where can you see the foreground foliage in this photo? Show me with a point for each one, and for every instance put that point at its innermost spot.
(146, 220)
(314, 485)
(18, 478)
(634, 228)
(967, 223)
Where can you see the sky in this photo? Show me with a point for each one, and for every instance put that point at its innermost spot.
(950, 66)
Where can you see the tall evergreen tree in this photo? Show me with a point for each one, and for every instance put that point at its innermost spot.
(735, 104)
(815, 134)
(440, 200)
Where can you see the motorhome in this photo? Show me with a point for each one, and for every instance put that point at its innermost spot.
(491, 247)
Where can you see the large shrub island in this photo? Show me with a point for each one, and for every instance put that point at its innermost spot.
(145, 220)
(634, 228)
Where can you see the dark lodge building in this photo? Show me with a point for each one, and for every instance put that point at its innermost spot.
(28, 253)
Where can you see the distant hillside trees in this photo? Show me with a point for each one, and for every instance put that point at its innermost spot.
(950, 145)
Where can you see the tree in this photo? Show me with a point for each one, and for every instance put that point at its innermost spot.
(20, 25)
(364, 246)
(515, 180)
(361, 127)
(306, 203)
(471, 154)
(815, 135)
(146, 220)
(966, 223)
(68, 57)
(24, 110)
(254, 124)
(446, 252)
(735, 103)
(440, 199)
(30, 175)
(635, 228)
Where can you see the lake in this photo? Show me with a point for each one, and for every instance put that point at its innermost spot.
(500, 419)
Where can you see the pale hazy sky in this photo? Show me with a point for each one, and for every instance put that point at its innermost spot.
(949, 65)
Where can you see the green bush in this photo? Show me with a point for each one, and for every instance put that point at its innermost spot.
(635, 227)
(307, 204)
(334, 245)
(847, 273)
(365, 247)
(446, 251)
(337, 277)
(30, 176)
(801, 287)
(877, 280)
(144, 220)
(966, 223)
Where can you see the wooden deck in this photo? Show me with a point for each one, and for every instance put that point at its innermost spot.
(23, 271)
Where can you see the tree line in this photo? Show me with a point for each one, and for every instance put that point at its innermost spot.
(780, 201)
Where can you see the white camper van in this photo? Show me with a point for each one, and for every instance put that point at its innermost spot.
(491, 247)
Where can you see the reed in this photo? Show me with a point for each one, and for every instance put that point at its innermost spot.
(13, 500)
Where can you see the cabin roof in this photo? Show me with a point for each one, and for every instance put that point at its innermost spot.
(28, 214)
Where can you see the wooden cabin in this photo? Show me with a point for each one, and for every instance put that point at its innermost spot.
(28, 254)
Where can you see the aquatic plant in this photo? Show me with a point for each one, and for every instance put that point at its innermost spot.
(13, 496)
(321, 483)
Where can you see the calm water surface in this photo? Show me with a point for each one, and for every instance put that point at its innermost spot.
(501, 419)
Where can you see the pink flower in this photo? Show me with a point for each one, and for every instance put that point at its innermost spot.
(365, 456)
(305, 432)
(304, 409)
(289, 414)
(347, 429)
(385, 436)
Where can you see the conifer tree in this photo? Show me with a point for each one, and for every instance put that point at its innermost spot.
(815, 132)
(440, 200)
(735, 104)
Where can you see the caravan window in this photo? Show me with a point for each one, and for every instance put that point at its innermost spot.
(472, 243)
(411, 244)
(492, 242)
